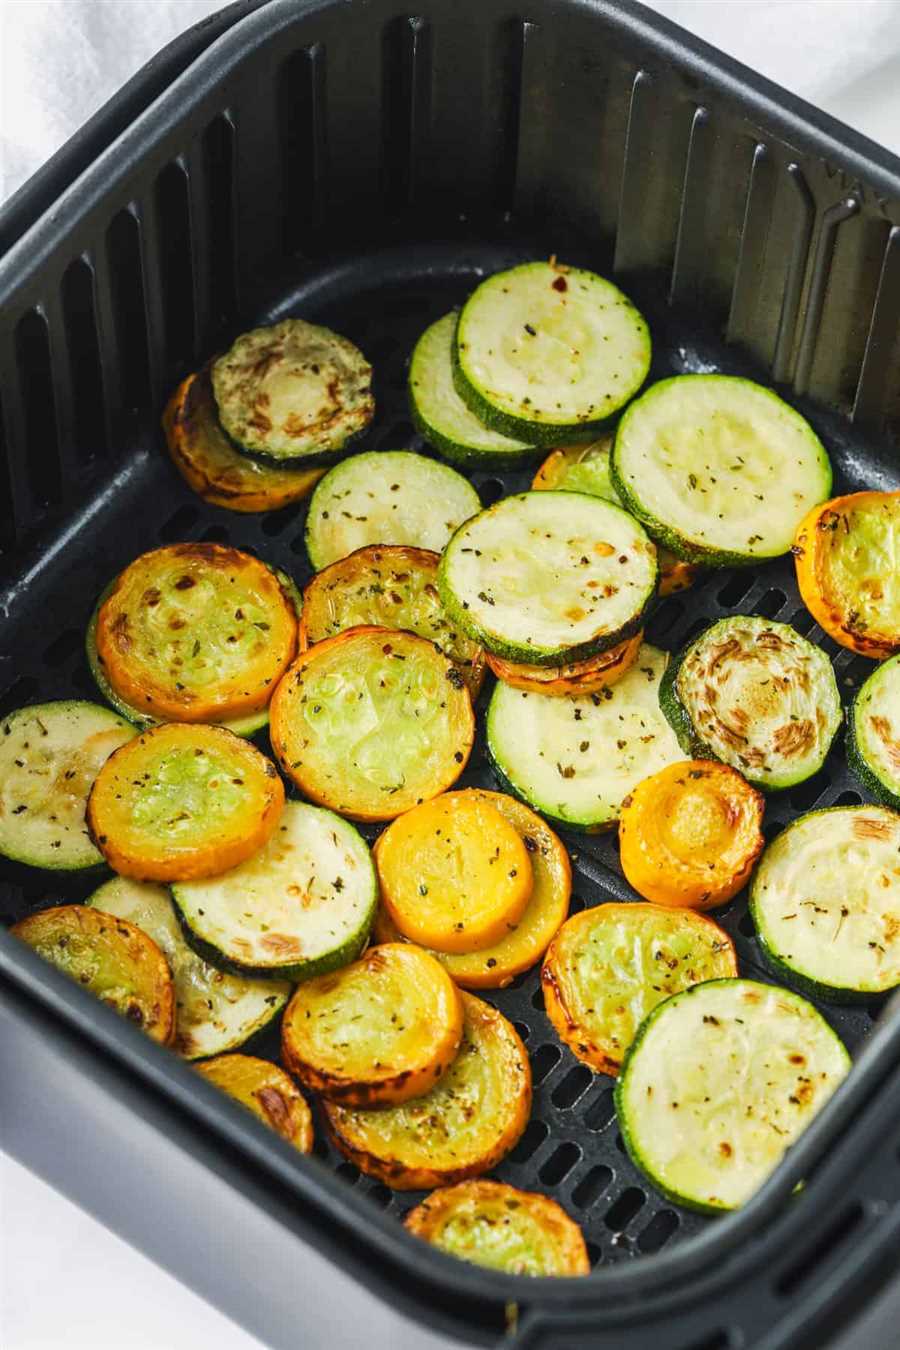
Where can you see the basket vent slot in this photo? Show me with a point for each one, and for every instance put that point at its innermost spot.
(18, 694)
(218, 162)
(573, 1086)
(600, 1111)
(39, 404)
(658, 1231)
(544, 1060)
(63, 646)
(805, 794)
(848, 798)
(666, 617)
(560, 1164)
(172, 208)
(716, 1340)
(523, 1029)
(300, 98)
(829, 1243)
(536, 1132)
(591, 1186)
(80, 320)
(734, 590)
(123, 253)
(769, 604)
(7, 517)
(628, 1205)
(803, 621)
(178, 524)
(406, 99)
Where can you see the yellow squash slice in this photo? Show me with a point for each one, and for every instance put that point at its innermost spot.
(584, 677)
(265, 1090)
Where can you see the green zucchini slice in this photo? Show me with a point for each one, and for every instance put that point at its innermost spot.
(873, 733)
(549, 578)
(301, 906)
(386, 497)
(440, 415)
(719, 469)
(214, 1012)
(294, 393)
(826, 902)
(756, 695)
(575, 759)
(50, 755)
(548, 354)
(719, 1081)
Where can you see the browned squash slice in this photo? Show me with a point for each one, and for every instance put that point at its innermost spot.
(265, 1090)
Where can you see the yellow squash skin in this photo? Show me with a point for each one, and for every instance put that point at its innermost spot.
(265, 1090)
(583, 677)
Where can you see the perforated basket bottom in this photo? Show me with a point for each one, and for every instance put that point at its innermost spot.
(571, 1148)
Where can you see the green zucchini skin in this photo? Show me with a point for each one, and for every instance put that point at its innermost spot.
(293, 973)
(884, 787)
(676, 713)
(516, 428)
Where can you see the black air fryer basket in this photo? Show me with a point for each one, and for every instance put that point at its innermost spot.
(364, 166)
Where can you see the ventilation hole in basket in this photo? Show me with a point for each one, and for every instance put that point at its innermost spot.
(80, 322)
(535, 1133)
(693, 629)
(320, 1148)
(490, 491)
(573, 1086)
(217, 251)
(848, 798)
(595, 1253)
(874, 1011)
(803, 621)
(523, 1029)
(629, 1204)
(537, 999)
(544, 1059)
(600, 1111)
(62, 647)
(7, 517)
(803, 796)
(855, 672)
(276, 522)
(591, 1186)
(216, 534)
(716, 1340)
(123, 256)
(658, 1231)
(518, 980)
(298, 545)
(173, 222)
(406, 60)
(665, 618)
(178, 524)
(772, 829)
(347, 1172)
(746, 926)
(577, 903)
(769, 604)
(381, 1195)
(734, 590)
(836, 1236)
(400, 434)
(620, 1144)
(18, 694)
(559, 1164)
(301, 124)
(41, 448)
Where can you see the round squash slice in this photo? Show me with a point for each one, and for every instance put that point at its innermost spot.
(391, 586)
(183, 801)
(609, 966)
(690, 834)
(112, 958)
(463, 1127)
(873, 733)
(196, 633)
(265, 1090)
(378, 1032)
(209, 463)
(525, 943)
(454, 874)
(846, 552)
(498, 1226)
(372, 722)
(584, 677)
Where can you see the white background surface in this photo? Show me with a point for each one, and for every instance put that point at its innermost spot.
(65, 1282)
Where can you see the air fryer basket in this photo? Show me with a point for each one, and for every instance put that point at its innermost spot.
(363, 167)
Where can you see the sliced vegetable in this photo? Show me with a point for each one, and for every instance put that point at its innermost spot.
(548, 578)
(586, 468)
(301, 906)
(50, 755)
(690, 834)
(846, 556)
(372, 723)
(719, 1081)
(265, 1090)
(454, 873)
(548, 353)
(113, 959)
(718, 468)
(386, 497)
(497, 966)
(576, 759)
(609, 966)
(390, 586)
(464, 1126)
(440, 415)
(209, 463)
(381, 1031)
(498, 1226)
(826, 902)
(583, 677)
(756, 695)
(214, 1012)
(294, 393)
(180, 801)
(873, 733)
(196, 633)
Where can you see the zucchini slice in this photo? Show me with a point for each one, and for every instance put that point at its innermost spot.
(719, 469)
(586, 468)
(118, 963)
(873, 734)
(454, 874)
(498, 1226)
(294, 393)
(496, 967)
(209, 463)
(582, 677)
(50, 755)
(381, 1031)
(301, 906)
(214, 1012)
(756, 695)
(180, 802)
(826, 902)
(547, 353)
(609, 966)
(195, 632)
(389, 586)
(719, 1081)
(463, 1127)
(576, 759)
(372, 722)
(690, 834)
(386, 497)
(265, 1090)
(549, 578)
(440, 415)
(846, 558)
